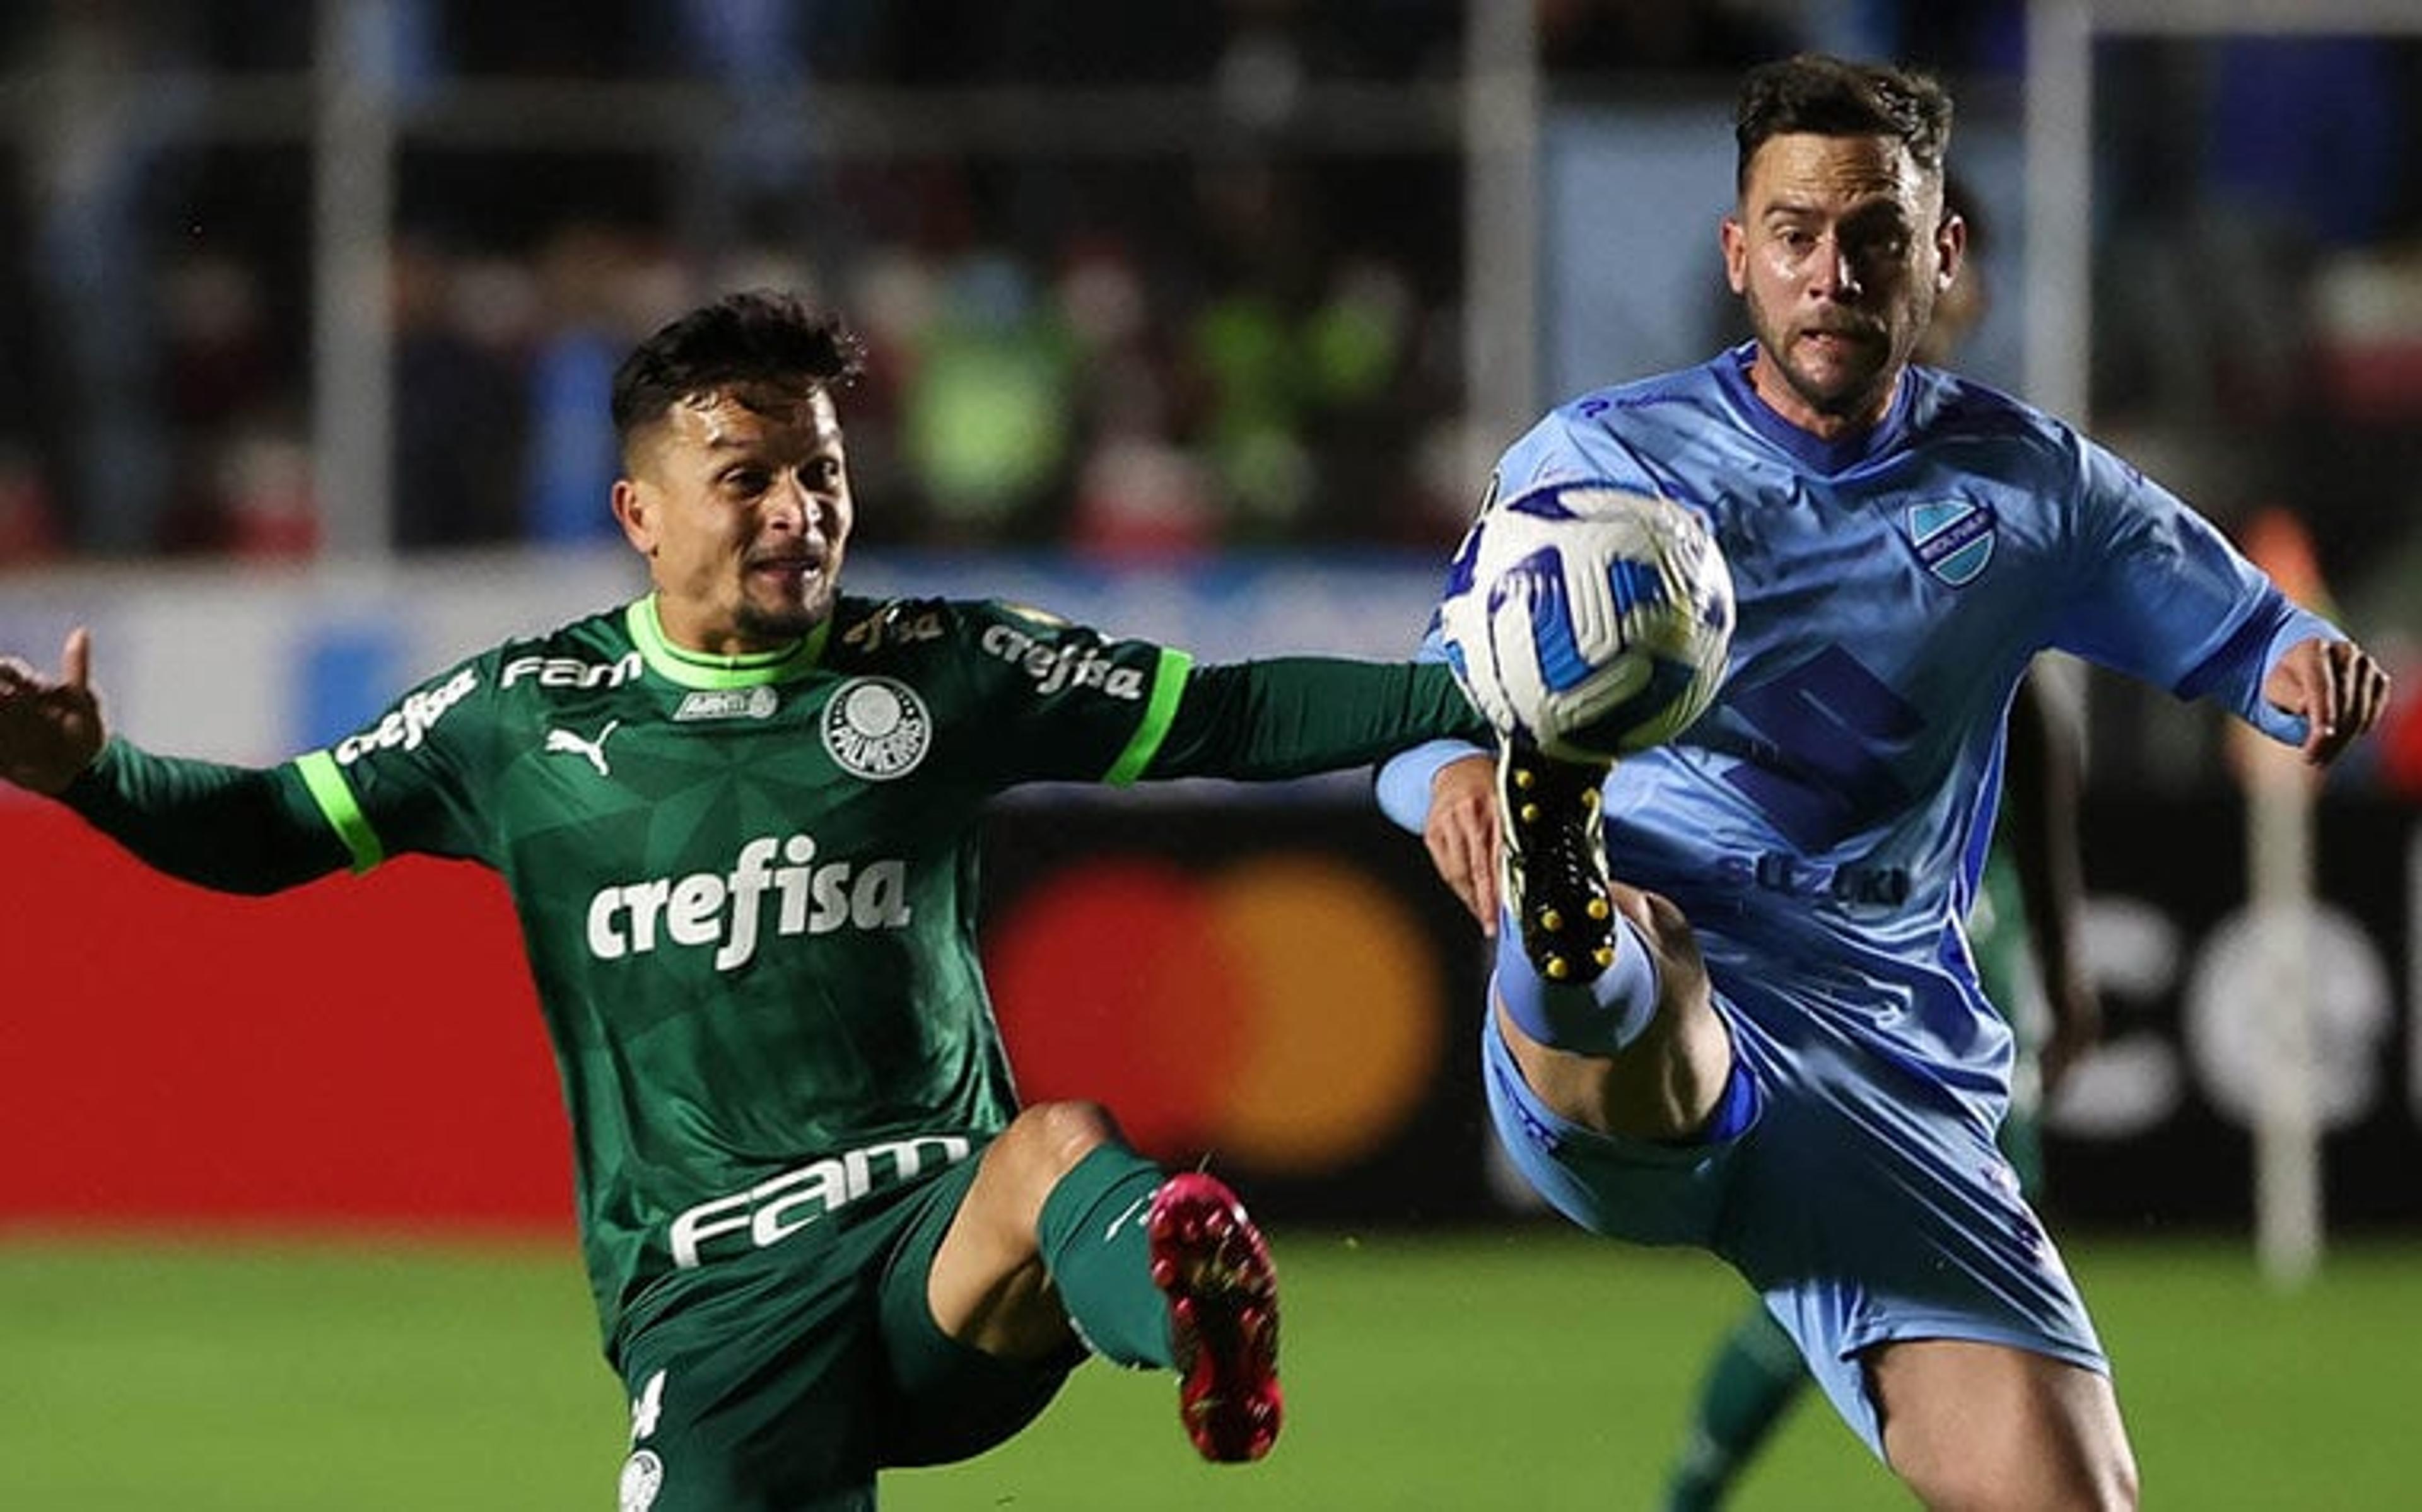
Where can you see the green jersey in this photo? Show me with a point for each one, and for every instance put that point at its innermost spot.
(746, 885)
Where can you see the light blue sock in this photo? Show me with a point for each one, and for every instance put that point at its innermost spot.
(1594, 1018)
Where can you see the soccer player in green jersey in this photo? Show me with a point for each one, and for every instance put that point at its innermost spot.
(737, 821)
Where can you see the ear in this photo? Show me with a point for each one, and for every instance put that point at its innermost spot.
(637, 514)
(1950, 251)
(1735, 248)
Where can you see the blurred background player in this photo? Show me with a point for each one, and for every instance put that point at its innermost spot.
(2023, 935)
(737, 817)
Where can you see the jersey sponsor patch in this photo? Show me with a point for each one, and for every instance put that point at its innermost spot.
(411, 722)
(775, 1210)
(704, 704)
(776, 886)
(1065, 664)
(1954, 538)
(893, 625)
(878, 729)
(569, 672)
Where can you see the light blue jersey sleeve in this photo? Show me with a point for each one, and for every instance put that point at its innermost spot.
(1404, 778)
(1565, 447)
(2161, 595)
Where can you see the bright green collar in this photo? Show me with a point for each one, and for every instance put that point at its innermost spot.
(695, 669)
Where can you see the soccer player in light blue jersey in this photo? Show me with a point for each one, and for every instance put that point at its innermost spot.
(2022, 934)
(1773, 1044)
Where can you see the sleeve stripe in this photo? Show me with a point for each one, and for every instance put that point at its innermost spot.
(329, 790)
(1168, 686)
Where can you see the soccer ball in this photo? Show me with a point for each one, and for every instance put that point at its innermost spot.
(1587, 620)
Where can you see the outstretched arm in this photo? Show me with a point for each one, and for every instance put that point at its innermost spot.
(50, 730)
(237, 829)
(2334, 686)
(1292, 716)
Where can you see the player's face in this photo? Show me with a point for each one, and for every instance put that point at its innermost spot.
(740, 501)
(1839, 248)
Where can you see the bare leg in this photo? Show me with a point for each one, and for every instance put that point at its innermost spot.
(989, 1287)
(1983, 1427)
(1665, 1083)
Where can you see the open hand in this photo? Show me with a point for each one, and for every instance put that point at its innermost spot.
(2336, 686)
(1462, 835)
(49, 731)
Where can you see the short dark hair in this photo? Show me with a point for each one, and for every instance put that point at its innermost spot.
(1833, 97)
(760, 336)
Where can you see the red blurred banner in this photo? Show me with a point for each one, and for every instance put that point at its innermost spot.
(361, 1051)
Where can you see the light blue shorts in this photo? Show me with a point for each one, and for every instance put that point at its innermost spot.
(1862, 1202)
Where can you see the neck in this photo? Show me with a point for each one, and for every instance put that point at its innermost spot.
(697, 638)
(1766, 380)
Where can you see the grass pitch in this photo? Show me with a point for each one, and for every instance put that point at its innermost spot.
(1532, 1370)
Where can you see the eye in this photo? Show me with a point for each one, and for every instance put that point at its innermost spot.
(743, 482)
(1878, 238)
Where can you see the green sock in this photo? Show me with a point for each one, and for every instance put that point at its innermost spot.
(1092, 1239)
(1754, 1377)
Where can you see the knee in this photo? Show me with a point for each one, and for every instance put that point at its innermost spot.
(2038, 1486)
(1986, 1426)
(1045, 1140)
(2040, 1473)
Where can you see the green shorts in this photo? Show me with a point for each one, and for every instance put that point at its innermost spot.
(2006, 967)
(782, 1380)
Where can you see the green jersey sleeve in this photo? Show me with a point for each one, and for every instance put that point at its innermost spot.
(1288, 717)
(1052, 700)
(1061, 701)
(235, 829)
(410, 780)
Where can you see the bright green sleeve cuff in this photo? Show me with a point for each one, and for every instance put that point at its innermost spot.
(335, 796)
(1168, 687)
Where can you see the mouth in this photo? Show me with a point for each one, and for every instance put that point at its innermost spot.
(797, 564)
(1837, 338)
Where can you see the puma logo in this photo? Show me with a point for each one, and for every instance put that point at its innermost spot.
(1134, 1210)
(593, 751)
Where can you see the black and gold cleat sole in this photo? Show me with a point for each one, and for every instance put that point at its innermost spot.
(1557, 883)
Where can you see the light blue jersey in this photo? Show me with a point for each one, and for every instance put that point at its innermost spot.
(1835, 803)
(1823, 824)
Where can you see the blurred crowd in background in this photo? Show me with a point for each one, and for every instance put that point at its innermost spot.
(1136, 279)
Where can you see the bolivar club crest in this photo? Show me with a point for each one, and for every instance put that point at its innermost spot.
(878, 729)
(1953, 538)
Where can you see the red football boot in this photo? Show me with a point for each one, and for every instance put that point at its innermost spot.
(1209, 1260)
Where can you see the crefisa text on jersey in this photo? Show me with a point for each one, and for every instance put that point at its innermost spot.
(410, 721)
(726, 910)
(1073, 665)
